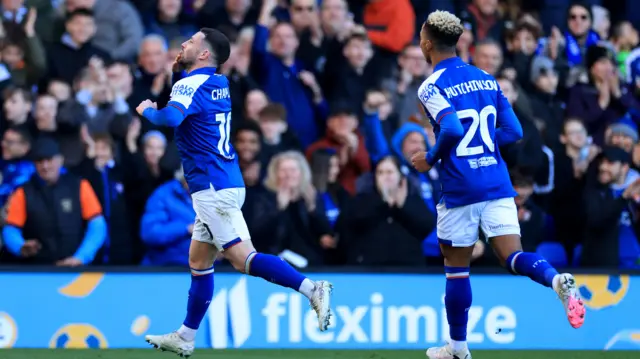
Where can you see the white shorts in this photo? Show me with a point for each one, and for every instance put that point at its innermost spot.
(459, 226)
(219, 219)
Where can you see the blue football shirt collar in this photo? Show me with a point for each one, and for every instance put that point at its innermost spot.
(452, 61)
(203, 71)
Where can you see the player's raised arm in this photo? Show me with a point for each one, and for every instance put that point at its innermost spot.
(442, 111)
(508, 127)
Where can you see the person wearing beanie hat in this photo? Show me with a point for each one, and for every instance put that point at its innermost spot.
(622, 133)
(612, 240)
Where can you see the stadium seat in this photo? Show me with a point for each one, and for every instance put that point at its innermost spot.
(577, 252)
(554, 253)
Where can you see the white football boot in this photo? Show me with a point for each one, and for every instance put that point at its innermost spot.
(565, 286)
(321, 302)
(446, 352)
(172, 342)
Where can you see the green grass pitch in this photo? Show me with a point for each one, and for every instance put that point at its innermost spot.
(301, 354)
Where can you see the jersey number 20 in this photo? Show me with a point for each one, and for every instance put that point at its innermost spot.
(478, 120)
(224, 125)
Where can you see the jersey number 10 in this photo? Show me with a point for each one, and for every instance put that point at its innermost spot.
(224, 126)
(478, 120)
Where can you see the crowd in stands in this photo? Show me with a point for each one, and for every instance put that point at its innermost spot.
(325, 118)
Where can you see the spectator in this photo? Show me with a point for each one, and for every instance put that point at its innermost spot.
(167, 224)
(67, 133)
(169, 21)
(300, 229)
(386, 226)
(488, 56)
(152, 79)
(236, 68)
(601, 100)
(404, 84)
(611, 236)
(16, 14)
(547, 110)
(15, 168)
(305, 19)
(526, 153)
(230, 18)
(276, 136)
(35, 235)
(601, 21)
(530, 217)
(103, 101)
(624, 38)
(485, 20)
(24, 54)
(69, 55)
(283, 78)
(145, 172)
(623, 134)
(335, 19)
(408, 140)
(569, 50)
(351, 73)
(247, 141)
(342, 137)
(325, 169)
(522, 45)
(107, 179)
(390, 26)
(570, 165)
(17, 106)
(255, 101)
(119, 28)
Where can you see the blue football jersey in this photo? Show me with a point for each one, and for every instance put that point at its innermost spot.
(473, 170)
(203, 137)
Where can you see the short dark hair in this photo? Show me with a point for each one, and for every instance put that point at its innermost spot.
(23, 132)
(12, 91)
(79, 12)
(520, 179)
(219, 44)
(249, 126)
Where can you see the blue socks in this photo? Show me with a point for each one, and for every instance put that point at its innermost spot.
(276, 270)
(533, 266)
(200, 295)
(457, 300)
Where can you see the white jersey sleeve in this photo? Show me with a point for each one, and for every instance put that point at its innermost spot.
(433, 98)
(185, 90)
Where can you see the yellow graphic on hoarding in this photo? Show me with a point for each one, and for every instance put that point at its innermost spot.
(140, 325)
(8, 331)
(78, 336)
(602, 291)
(630, 336)
(82, 285)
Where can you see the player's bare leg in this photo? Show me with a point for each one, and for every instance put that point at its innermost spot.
(182, 341)
(508, 249)
(245, 259)
(457, 300)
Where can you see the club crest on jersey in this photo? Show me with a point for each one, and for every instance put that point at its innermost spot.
(428, 92)
(182, 90)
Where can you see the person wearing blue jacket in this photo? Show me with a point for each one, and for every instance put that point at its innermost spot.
(167, 224)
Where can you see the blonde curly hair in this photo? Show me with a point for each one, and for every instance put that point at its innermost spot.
(305, 189)
(445, 27)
